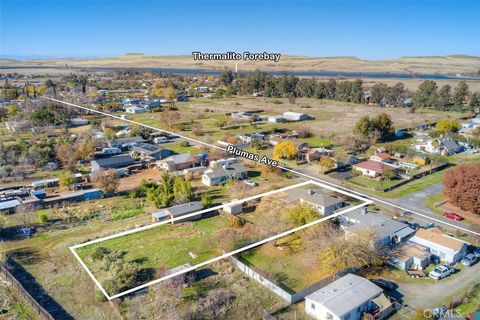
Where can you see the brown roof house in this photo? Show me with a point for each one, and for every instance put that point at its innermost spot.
(371, 168)
(448, 249)
(178, 162)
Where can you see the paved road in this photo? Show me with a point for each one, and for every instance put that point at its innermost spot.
(430, 295)
(415, 201)
(297, 172)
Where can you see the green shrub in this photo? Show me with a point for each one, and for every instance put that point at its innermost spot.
(110, 286)
(206, 200)
(235, 222)
(119, 215)
(42, 217)
(184, 144)
(99, 253)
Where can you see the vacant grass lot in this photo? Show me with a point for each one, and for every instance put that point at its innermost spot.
(292, 271)
(332, 118)
(166, 246)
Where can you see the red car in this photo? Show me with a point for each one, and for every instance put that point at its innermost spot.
(453, 216)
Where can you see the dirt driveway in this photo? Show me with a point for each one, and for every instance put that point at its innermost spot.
(133, 180)
(429, 295)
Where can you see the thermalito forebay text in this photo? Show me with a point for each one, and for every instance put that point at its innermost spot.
(230, 55)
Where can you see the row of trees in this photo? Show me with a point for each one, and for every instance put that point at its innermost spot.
(428, 95)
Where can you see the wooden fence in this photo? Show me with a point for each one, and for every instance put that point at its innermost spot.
(10, 278)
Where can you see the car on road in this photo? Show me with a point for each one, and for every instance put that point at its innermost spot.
(440, 272)
(469, 260)
(453, 216)
(385, 284)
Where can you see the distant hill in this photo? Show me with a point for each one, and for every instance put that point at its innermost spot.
(452, 65)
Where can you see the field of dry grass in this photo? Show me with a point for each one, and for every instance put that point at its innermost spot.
(432, 65)
(332, 118)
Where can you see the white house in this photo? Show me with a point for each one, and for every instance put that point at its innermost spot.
(445, 146)
(323, 203)
(223, 170)
(134, 109)
(275, 119)
(388, 232)
(371, 168)
(348, 298)
(295, 116)
(446, 248)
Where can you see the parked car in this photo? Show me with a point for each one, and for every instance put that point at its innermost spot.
(469, 260)
(159, 140)
(111, 151)
(385, 284)
(250, 183)
(453, 216)
(414, 226)
(440, 272)
(477, 252)
(428, 225)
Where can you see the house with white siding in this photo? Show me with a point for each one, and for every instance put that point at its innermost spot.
(348, 298)
(448, 249)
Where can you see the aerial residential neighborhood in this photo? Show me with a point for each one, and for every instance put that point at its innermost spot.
(322, 165)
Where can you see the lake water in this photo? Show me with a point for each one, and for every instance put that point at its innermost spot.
(279, 73)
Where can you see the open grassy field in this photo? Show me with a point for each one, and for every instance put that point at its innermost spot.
(168, 246)
(332, 118)
(164, 247)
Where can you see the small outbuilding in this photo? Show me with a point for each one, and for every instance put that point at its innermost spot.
(234, 207)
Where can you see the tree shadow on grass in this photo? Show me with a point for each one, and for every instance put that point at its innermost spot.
(35, 289)
(145, 275)
(205, 273)
(27, 256)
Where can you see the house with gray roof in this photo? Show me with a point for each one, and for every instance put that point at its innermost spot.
(388, 232)
(178, 162)
(149, 151)
(178, 211)
(449, 146)
(349, 298)
(323, 203)
(9, 205)
(125, 143)
(115, 162)
(221, 172)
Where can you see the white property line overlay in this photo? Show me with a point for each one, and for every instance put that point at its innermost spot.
(225, 255)
(281, 167)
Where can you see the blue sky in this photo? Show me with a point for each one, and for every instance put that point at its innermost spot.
(369, 30)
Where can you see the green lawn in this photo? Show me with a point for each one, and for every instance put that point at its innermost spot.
(372, 183)
(166, 246)
(433, 200)
(179, 149)
(317, 141)
(410, 187)
(471, 302)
